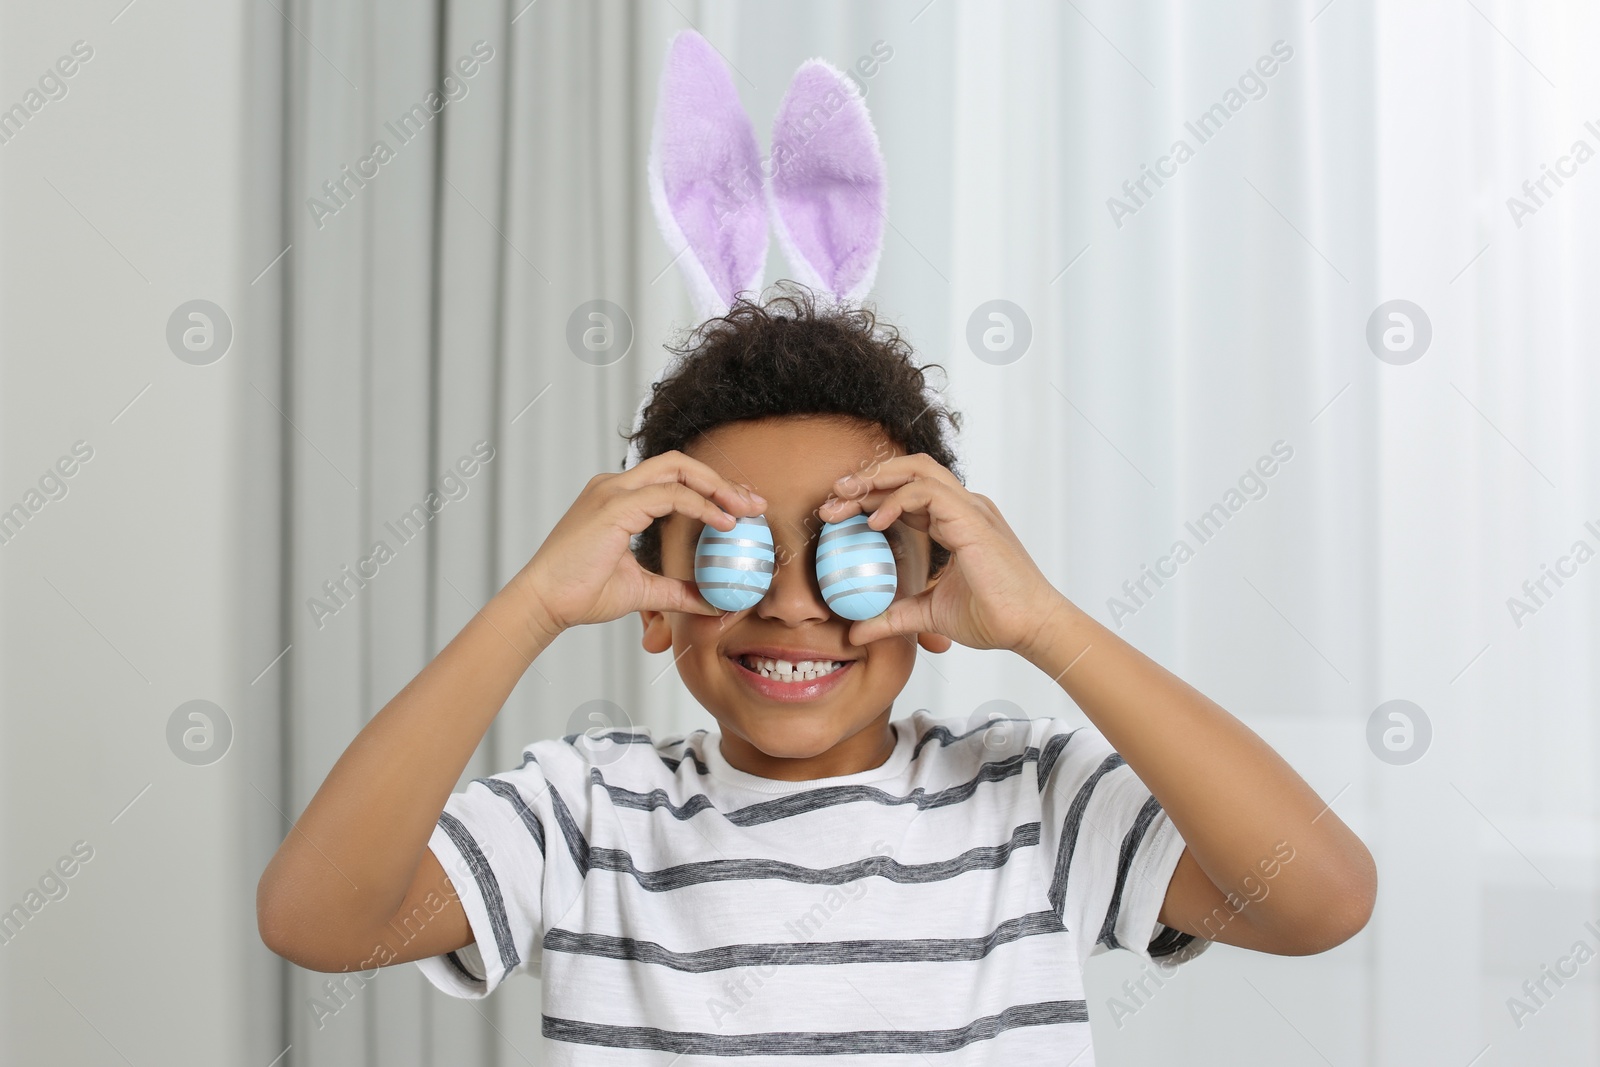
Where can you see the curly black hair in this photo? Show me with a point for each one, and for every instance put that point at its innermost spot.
(791, 356)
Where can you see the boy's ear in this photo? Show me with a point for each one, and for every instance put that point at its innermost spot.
(936, 642)
(657, 635)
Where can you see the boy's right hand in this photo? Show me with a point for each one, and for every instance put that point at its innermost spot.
(585, 571)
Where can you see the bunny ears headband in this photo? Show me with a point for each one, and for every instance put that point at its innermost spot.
(712, 200)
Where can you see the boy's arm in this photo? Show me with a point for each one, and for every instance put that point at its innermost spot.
(1234, 801)
(1237, 804)
(358, 856)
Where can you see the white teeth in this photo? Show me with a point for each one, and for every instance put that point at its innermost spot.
(786, 671)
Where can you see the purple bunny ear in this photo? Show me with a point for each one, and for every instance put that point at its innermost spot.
(705, 176)
(828, 186)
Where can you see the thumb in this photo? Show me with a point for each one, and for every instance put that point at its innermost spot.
(912, 615)
(674, 594)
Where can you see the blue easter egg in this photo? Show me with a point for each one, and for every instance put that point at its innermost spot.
(855, 568)
(733, 569)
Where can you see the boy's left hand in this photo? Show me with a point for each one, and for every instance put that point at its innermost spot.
(990, 595)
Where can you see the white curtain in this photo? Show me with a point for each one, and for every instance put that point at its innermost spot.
(1181, 331)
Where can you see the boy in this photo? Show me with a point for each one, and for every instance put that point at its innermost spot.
(815, 877)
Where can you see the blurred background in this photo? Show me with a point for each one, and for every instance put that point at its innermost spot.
(231, 363)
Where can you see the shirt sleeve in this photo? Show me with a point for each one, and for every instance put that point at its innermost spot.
(490, 839)
(1113, 848)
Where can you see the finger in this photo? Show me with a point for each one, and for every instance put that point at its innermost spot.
(909, 615)
(911, 501)
(892, 473)
(675, 466)
(644, 505)
(867, 497)
(866, 505)
(674, 594)
(925, 505)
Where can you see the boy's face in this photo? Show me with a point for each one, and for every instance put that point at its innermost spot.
(792, 461)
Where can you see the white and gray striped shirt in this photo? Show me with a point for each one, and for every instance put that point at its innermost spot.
(942, 903)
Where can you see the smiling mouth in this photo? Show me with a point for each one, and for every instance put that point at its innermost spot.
(791, 682)
(779, 670)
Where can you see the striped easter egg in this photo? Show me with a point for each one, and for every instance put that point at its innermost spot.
(734, 569)
(855, 568)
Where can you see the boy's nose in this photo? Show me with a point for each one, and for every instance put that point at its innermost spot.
(794, 596)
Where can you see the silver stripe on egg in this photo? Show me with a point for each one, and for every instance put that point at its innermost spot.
(737, 563)
(855, 524)
(864, 568)
(860, 547)
(742, 542)
(840, 594)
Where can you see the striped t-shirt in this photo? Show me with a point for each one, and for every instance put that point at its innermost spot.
(940, 904)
